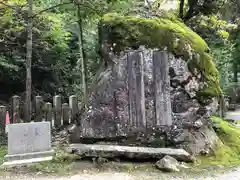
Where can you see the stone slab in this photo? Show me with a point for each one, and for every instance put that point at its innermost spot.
(28, 143)
(25, 161)
(28, 156)
(29, 137)
(110, 151)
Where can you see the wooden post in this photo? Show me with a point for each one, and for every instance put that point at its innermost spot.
(65, 113)
(57, 103)
(48, 109)
(15, 109)
(222, 106)
(140, 96)
(162, 88)
(131, 89)
(3, 110)
(136, 96)
(38, 108)
(73, 105)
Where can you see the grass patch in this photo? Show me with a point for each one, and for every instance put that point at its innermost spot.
(3, 152)
(61, 164)
(227, 152)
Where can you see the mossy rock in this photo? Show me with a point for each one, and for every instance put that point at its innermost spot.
(227, 132)
(228, 150)
(122, 32)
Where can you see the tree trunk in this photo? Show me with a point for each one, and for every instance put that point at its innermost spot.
(82, 52)
(235, 73)
(181, 7)
(29, 62)
(222, 106)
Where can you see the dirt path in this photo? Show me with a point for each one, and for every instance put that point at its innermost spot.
(234, 115)
(231, 175)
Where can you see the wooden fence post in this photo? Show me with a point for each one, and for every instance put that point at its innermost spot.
(15, 109)
(38, 108)
(3, 110)
(57, 103)
(65, 113)
(73, 105)
(48, 111)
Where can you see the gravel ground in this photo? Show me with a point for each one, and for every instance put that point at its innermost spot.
(231, 175)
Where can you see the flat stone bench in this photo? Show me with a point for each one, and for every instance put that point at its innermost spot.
(111, 151)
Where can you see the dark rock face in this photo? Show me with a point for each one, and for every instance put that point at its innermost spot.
(110, 114)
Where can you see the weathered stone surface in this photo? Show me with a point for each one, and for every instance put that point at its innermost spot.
(198, 124)
(112, 108)
(29, 137)
(109, 151)
(202, 139)
(168, 164)
(28, 143)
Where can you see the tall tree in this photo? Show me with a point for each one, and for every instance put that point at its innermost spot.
(195, 7)
(82, 52)
(29, 62)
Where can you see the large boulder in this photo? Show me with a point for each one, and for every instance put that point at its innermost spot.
(194, 85)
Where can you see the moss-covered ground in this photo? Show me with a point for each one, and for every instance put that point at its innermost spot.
(228, 151)
(3, 152)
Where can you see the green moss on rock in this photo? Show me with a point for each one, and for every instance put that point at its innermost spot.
(132, 31)
(228, 150)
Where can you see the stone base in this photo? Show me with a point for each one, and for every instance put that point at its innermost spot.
(28, 158)
(111, 151)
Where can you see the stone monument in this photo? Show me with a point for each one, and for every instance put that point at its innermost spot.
(28, 143)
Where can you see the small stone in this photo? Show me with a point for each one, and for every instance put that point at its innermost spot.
(204, 152)
(198, 124)
(183, 165)
(85, 171)
(168, 164)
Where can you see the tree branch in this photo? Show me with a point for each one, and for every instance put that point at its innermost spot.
(66, 3)
(7, 5)
(12, 7)
(50, 8)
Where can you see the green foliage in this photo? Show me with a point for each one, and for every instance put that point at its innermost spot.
(230, 10)
(131, 31)
(52, 61)
(220, 37)
(55, 64)
(197, 7)
(235, 39)
(211, 28)
(3, 152)
(56, 67)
